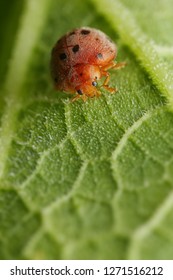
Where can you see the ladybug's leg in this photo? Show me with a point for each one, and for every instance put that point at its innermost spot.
(118, 65)
(75, 98)
(97, 93)
(114, 65)
(104, 72)
(84, 97)
(106, 81)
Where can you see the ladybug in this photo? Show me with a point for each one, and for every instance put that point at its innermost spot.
(79, 59)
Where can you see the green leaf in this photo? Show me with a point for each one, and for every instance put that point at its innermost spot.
(87, 180)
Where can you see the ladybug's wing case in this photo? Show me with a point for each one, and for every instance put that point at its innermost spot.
(60, 63)
(90, 46)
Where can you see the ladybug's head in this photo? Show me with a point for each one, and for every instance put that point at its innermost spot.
(88, 75)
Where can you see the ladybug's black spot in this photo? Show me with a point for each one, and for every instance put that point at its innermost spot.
(75, 48)
(97, 39)
(81, 74)
(99, 55)
(85, 32)
(62, 56)
(72, 33)
(79, 92)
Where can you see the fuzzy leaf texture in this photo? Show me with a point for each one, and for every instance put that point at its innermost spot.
(89, 180)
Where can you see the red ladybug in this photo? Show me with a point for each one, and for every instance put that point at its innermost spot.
(80, 58)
